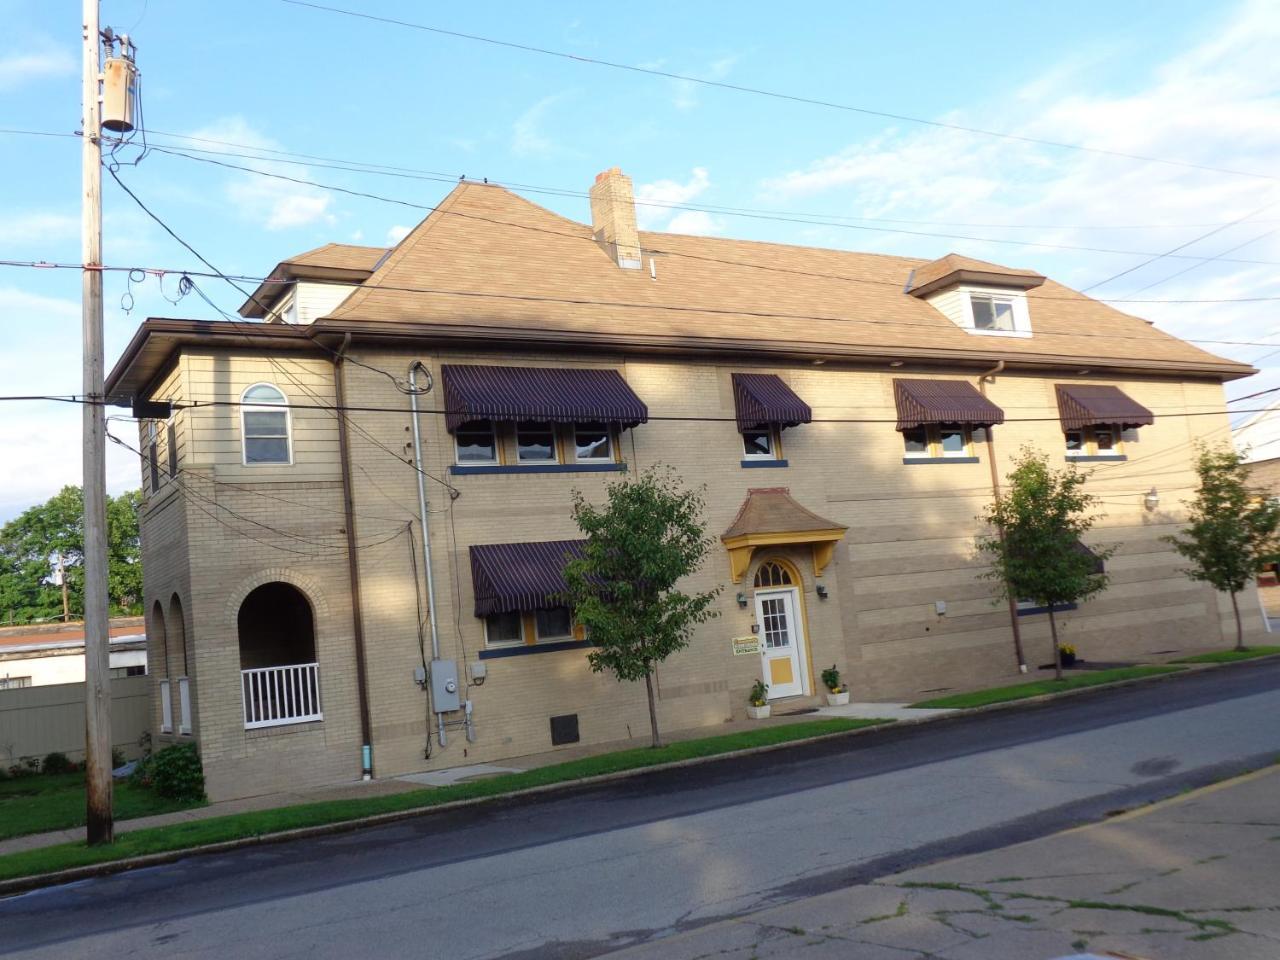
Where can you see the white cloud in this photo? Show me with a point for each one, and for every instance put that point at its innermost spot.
(686, 91)
(18, 69)
(655, 202)
(527, 138)
(397, 233)
(36, 231)
(1216, 104)
(271, 203)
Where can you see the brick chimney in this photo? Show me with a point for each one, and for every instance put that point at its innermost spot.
(613, 217)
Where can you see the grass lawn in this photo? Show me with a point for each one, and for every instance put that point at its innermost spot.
(1231, 656)
(232, 827)
(56, 802)
(1036, 688)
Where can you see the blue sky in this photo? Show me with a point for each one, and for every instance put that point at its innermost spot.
(1191, 81)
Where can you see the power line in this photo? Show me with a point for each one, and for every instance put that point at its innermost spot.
(775, 95)
(366, 195)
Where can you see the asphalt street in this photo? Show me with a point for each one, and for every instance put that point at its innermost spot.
(587, 872)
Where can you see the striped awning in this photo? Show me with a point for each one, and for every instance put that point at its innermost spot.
(558, 394)
(508, 577)
(1087, 405)
(763, 400)
(942, 401)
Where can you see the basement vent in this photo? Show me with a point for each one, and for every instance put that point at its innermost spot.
(564, 729)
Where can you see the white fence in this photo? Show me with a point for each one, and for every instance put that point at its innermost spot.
(274, 696)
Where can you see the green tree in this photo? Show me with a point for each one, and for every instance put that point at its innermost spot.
(1036, 552)
(1232, 527)
(647, 537)
(31, 543)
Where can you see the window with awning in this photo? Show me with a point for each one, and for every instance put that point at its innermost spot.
(519, 595)
(765, 406)
(473, 392)
(1098, 420)
(940, 419)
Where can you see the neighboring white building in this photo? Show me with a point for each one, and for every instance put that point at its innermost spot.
(37, 656)
(1258, 437)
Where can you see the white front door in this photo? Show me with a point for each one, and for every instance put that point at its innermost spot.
(781, 642)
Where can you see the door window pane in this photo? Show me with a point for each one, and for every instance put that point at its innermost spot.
(503, 628)
(777, 633)
(757, 444)
(554, 624)
(916, 442)
(535, 442)
(591, 441)
(475, 442)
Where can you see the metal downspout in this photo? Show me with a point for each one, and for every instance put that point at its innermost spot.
(353, 561)
(983, 379)
(426, 529)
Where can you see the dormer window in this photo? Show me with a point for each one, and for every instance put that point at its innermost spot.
(991, 312)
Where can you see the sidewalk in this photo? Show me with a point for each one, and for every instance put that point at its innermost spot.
(1193, 878)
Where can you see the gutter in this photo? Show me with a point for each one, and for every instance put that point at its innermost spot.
(983, 379)
(353, 562)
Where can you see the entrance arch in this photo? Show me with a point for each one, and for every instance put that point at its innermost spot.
(279, 675)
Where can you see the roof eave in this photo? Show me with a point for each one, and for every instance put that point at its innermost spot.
(988, 278)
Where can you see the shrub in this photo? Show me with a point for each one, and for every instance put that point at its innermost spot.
(57, 762)
(175, 772)
(117, 758)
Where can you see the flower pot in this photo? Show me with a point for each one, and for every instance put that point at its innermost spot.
(758, 713)
(837, 699)
(1068, 659)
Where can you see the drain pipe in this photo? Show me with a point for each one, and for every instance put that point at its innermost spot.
(353, 560)
(983, 379)
(426, 529)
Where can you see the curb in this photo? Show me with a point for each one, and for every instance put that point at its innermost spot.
(108, 867)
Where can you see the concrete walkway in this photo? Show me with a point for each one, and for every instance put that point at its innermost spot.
(1193, 878)
(887, 711)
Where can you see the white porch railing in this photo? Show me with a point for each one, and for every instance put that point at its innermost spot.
(166, 707)
(278, 695)
(184, 706)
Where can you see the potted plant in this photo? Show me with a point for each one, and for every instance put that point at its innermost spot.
(1068, 652)
(837, 695)
(757, 702)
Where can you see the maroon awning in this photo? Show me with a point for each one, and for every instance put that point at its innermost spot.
(763, 400)
(507, 577)
(558, 394)
(942, 401)
(1088, 405)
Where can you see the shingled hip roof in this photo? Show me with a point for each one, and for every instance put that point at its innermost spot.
(510, 577)
(558, 394)
(921, 402)
(763, 400)
(1087, 405)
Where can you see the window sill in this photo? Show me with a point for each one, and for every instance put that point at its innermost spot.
(1032, 611)
(914, 460)
(751, 464)
(1118, 458)
(494, 653)
(463, 470)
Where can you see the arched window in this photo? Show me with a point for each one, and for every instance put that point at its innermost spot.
(264, 425)
(177, 636)
(160, 642)
(772, 574)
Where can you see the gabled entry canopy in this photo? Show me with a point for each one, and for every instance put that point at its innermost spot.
(770, 517)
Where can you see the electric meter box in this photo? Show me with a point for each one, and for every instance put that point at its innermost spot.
(446, 691)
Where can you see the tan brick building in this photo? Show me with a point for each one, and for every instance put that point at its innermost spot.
(848, 413)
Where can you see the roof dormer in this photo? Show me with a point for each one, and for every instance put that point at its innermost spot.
(984, 299)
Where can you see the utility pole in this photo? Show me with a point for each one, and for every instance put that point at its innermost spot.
(97, 712)
(62, 582)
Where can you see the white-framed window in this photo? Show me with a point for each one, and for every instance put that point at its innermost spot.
(759, 444)
(535, 442)
(592, 443)
(1103, 440)
(991, 312)
(476, 443)
(504, 629)
(171, 442)
(937, 441)
(553, 625)
(264, 423)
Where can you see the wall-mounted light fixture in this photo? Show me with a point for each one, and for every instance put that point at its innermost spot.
(1152, 499)
(822, 591)
(742, 599)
